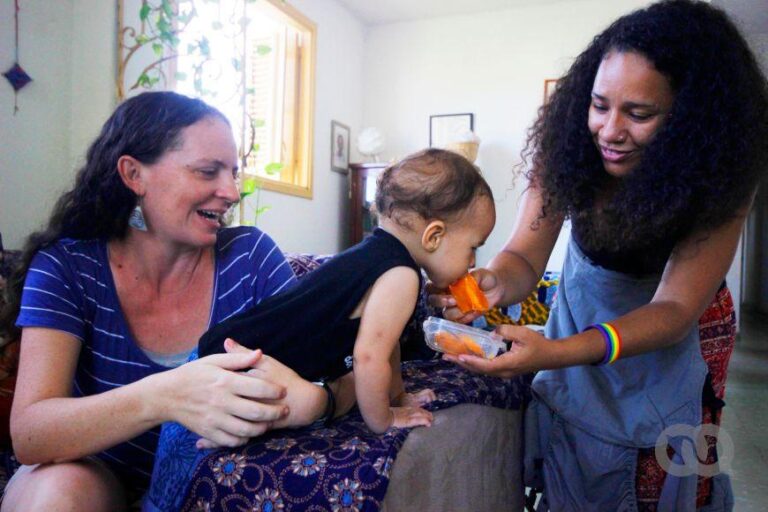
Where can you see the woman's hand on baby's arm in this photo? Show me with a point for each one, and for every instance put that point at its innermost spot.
(213, 399)
(305, 402)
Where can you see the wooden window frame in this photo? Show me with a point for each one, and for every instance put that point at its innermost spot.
(296, 177)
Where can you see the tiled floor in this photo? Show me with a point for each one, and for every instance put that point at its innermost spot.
(745, 416)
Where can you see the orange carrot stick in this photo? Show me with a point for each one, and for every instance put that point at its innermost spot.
(449, 343)
(472, 346)
(468, 295)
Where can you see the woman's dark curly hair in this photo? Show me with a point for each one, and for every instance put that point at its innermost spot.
(702, 165)
(99, 204)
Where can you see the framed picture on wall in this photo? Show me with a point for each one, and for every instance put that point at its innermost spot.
(549, 88)
(445, 128)
(339, 147)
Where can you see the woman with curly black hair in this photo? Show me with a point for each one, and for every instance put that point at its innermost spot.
(652, 146)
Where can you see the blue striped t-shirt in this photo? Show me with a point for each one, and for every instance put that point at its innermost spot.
(69, 287)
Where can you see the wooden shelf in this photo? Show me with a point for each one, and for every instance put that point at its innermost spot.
(362, 178)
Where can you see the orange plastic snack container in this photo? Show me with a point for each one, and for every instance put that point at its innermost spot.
(442, 335)
(469, 297)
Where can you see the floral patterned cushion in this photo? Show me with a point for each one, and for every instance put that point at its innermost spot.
(343, 466)
(9, 352)
(9, 361)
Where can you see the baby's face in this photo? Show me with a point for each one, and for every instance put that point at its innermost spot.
(456, 253)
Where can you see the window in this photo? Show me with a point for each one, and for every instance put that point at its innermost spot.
(255, 62)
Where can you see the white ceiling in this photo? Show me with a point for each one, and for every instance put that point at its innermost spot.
(379, 12)
(752, 13)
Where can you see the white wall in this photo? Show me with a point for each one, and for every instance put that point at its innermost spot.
(94, 65)
(491, 64)
(69, 48)
(34, 159)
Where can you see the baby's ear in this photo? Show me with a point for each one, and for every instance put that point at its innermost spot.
(432, 236)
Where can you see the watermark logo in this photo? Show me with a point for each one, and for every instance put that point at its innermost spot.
(694, 449)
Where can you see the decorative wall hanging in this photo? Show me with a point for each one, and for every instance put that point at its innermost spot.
(153, 38)
(171, 42)
(445, 128)
(16, 74)
(339, 147)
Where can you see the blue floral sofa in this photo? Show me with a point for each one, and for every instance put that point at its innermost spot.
(469, 459)
(345, 467)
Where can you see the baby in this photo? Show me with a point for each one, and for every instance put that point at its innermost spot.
(435, 209)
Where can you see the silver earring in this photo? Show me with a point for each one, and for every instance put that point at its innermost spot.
(136, 219)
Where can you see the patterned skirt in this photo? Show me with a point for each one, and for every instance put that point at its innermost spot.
(717, 330)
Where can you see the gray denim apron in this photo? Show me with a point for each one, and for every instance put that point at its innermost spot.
(587, 422)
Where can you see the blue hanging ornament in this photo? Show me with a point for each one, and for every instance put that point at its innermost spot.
(16, 75)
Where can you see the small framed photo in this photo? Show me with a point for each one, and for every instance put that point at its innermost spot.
(445, 128)
(549, 88)
(339, 147)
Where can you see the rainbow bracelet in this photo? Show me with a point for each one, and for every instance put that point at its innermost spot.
(612, 342)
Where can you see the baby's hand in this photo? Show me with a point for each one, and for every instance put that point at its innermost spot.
(417, 399)
(406, 417)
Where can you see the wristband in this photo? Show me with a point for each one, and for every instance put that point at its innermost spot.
(330, 405)
(612, 342)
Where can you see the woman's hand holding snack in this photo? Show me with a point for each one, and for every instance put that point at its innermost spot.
(530, 351)
(213, 398)
(489, 284)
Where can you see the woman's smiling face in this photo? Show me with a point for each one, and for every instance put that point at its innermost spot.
(191, 187)
(630, 102)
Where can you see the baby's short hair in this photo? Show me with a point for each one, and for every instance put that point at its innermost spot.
(433, 183)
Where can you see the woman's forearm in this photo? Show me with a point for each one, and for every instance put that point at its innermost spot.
(523, 259)
(64, 429)
(654, 326)
(516, 274)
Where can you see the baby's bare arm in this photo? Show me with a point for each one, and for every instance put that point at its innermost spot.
(397, 395)
(389, 305)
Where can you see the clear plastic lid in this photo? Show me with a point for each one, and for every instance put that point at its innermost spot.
(454, 338)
